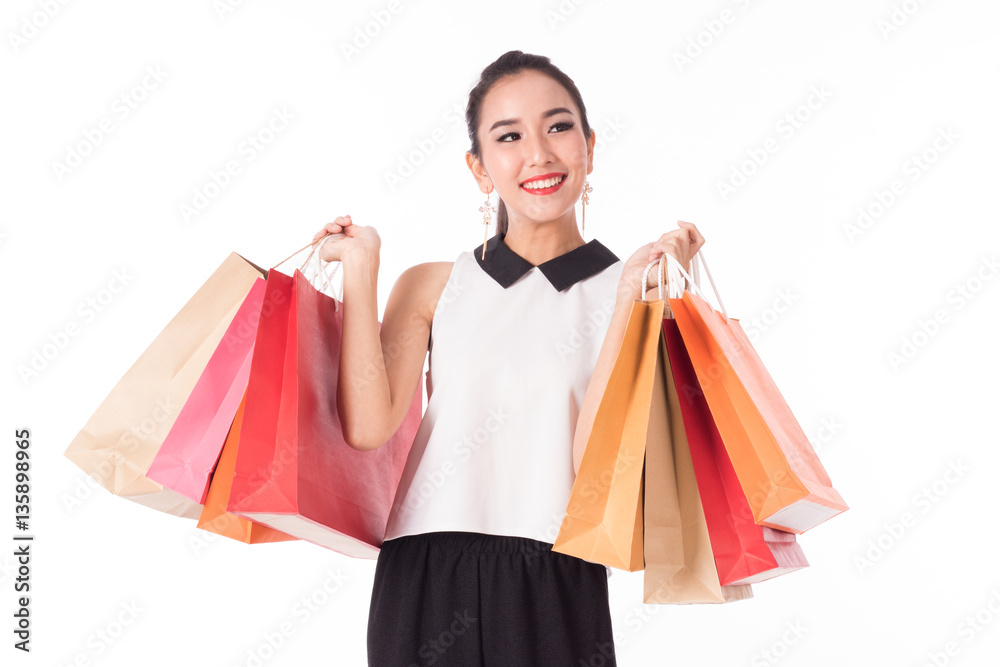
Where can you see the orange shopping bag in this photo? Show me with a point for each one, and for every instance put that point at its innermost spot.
(214, 516)
(603, 522)
(781, 475)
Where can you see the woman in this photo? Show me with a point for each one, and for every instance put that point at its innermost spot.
(466, 575)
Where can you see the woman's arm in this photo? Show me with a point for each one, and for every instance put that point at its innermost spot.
(380, 371)
(380, 368)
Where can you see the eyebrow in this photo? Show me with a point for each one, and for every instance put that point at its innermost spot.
(515, 121)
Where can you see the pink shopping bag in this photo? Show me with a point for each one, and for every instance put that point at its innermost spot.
(192, 447)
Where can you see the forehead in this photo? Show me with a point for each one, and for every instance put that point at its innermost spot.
(524, 95)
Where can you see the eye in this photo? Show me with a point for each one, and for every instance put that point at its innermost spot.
(563, 124)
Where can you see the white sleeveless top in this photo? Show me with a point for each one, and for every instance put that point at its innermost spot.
(512, 350)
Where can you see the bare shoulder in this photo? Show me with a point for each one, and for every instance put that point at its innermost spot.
(423, 284)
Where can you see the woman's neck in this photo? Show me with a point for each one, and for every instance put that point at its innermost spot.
(540, 242)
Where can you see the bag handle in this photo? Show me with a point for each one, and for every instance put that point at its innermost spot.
(700, 259)
(319, 268)
(673, 278)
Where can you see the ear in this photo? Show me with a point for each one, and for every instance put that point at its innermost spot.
(482, 178)
(591, 141)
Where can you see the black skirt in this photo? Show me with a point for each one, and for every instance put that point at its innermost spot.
(467, 599)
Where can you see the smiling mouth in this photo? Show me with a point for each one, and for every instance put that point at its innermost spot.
(544, 186)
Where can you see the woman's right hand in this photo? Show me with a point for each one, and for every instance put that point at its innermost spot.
(347, 239)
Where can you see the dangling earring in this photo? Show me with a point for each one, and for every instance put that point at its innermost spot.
(486, 209)
(586, 200)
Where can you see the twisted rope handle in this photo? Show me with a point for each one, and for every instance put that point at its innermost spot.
(319, 269)
(659, 278)
(673, 278)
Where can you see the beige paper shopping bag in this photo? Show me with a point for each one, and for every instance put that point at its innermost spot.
(680, 566)
(121, 439)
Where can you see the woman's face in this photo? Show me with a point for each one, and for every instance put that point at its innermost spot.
(530, 127)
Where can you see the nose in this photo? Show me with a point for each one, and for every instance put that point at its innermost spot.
(538, 150)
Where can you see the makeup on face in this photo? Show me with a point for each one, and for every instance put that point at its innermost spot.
(545, 184)
(533, 143)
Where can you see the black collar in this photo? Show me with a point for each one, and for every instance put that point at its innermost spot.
(507, 267)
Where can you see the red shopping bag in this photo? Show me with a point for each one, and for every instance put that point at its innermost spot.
(294, 471)
(779, 471)
(745, 553)
(192, 447)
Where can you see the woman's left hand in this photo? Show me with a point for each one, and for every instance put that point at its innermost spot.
(682, 244)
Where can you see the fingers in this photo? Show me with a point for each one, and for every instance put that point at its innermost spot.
(334, 227)
(695, 236)
(676, 243)
(686, 242)
(681, 244)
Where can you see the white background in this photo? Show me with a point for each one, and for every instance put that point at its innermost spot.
(831, 306)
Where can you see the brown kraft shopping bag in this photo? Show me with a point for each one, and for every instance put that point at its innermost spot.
(680, 565)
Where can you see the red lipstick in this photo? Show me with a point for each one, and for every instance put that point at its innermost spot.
(544, 177)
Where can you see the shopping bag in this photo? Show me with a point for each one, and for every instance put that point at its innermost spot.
(680, 565)
(744, 552)
(294, 470)
(214, 517)
(779, 471)
(118, 443)
(191, 448)
(603, 521)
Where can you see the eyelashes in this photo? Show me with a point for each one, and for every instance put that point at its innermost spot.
(565, 124)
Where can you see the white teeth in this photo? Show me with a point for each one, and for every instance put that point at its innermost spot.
(538, 185)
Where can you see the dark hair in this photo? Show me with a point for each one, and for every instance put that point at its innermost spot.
(509, 64)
